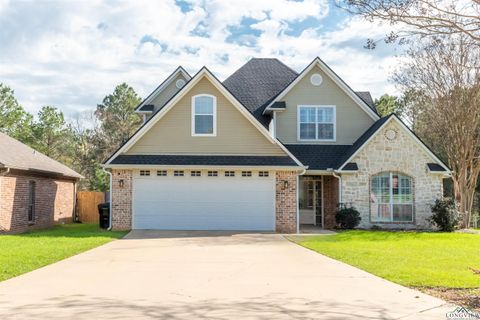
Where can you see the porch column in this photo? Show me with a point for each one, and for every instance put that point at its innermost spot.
(330, 201)
(286, 202)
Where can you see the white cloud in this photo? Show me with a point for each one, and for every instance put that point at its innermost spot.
(71, 54)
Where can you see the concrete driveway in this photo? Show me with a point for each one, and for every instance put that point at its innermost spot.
(195, 275)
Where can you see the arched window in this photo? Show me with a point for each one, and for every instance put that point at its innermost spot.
(391, 198)
(204, 115)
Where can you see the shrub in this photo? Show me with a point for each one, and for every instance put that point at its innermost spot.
(376, 228)
(347, 217)
(445, 214)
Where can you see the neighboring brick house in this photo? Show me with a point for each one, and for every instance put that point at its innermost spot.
(35, 190)
(269, 149)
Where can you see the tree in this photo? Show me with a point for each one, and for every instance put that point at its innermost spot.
(446, 78)
(49, 132)
(389, 104)
(81, 148)
(14, 120)
(420, 17)
(118, 121)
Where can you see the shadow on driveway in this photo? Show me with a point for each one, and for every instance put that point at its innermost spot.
(81, 307)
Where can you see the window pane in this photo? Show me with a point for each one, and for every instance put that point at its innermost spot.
(306, 195)
(307, 115)
(325, 115)
(307, 130)
(203, 124)
(203, 105)
(380, 212)
(325, 131)
(402, 212)
(328, 115)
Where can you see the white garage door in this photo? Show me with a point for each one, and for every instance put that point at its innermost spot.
(203, 203)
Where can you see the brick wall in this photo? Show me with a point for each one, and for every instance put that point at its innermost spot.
(54, 202)
(330, 201)
(401, 155)
(286, 202)
(121, 199)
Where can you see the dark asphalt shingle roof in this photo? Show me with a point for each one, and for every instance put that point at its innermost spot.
(318, 156)
(147, 108)
(204, 160)
(435, 167)
(351, 166)
(257, 82)
(367, 98)
(279, 105)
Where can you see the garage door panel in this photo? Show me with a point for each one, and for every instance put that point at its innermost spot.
(203, 203)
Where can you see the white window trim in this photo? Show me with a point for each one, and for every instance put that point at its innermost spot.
(214, 134)
(391, 203)
(316, 131)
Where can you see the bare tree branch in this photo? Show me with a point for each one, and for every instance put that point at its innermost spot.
(422, 17)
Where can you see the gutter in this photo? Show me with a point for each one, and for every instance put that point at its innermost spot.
(109, 201)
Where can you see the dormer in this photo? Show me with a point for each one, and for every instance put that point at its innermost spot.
(163, 93)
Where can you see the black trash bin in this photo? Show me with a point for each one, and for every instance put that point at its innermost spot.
(104, 212)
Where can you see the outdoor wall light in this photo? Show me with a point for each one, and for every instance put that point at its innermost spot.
(120, 183)
(285, 184)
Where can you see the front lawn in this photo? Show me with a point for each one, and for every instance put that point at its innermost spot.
(417, 259)
(25, 252)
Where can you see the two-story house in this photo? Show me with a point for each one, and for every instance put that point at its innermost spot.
(269, 149)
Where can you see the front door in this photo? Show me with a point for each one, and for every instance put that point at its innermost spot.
(311, 200)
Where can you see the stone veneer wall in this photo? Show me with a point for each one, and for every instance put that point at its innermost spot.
(401, 155)
(121, 200)
(54, 202)
(286, 202)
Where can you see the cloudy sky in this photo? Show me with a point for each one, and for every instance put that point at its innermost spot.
(70, 54)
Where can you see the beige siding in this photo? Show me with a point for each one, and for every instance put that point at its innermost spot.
(235, 134)
(352, 121)
(167, 92)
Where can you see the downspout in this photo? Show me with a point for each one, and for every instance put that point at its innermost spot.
(109, 201)
(340, 198)
(75, 213)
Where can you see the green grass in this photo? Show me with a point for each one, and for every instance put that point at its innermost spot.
(25, 252)
(418, 259)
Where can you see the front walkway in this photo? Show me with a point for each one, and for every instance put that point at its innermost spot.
(200, 275)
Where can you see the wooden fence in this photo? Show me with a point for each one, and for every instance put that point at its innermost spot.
(87, 205)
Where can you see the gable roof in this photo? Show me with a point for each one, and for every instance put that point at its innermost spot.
(369, 109)
(16, 155)
(160, 88)
(257, 82)
(204, 72)
(375, 128)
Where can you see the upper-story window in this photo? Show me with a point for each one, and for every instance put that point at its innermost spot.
(204, 115)
(316, 123)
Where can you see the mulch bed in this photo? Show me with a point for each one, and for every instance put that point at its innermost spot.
(469, 298)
